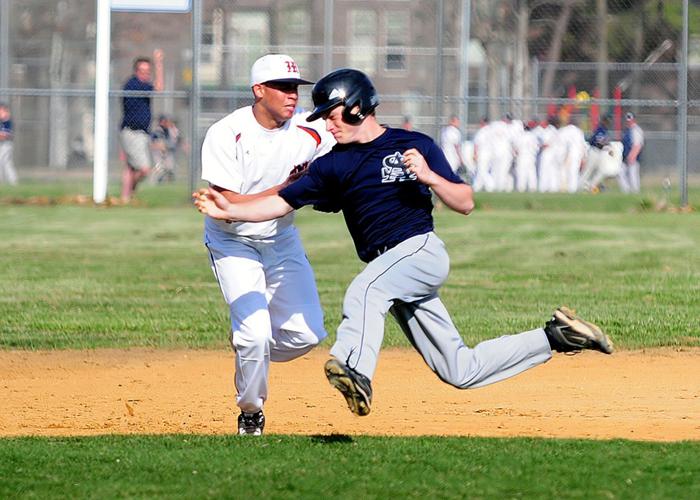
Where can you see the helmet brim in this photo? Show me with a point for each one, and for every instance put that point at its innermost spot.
(323, 108)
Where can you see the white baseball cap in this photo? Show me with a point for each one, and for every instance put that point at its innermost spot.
(275, 68)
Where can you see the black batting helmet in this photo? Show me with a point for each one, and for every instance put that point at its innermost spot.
(348, 87)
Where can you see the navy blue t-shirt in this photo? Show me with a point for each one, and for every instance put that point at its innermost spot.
(382, 203)
(137, 110)
(6, 127)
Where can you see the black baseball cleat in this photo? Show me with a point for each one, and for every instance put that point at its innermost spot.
(355, 387)
(567, 332)
(251, 424)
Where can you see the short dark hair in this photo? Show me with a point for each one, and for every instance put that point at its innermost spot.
(139, 60)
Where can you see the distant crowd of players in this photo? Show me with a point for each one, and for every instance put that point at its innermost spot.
(508, 155)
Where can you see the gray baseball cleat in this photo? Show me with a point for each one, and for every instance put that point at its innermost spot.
(251, 424)
(567, 332)
(355, 387)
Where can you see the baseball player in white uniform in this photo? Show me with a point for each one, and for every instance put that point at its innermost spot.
(261, 268)
(483, 153)
(551, 157)
(502, 153)
(526, 147)
(451, 145)
(574, 143)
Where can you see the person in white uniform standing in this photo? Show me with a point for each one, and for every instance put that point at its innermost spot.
(574, 143)
(551, 157)
(261, 268)
(451, 145)
(483, 153)
(526, 146)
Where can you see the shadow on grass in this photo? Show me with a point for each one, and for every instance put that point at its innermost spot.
(331, 439)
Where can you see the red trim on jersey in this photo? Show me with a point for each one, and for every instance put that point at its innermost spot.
(312, 133)
(238, 136)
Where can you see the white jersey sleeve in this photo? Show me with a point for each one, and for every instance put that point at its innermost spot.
(220, 158)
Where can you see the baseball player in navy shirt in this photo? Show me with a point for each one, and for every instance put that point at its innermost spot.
(381, 179)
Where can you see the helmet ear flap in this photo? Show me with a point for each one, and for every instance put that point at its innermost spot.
(350, 117)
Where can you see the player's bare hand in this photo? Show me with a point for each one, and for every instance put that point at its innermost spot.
(296, 173)
(416, 164)
(212, 203)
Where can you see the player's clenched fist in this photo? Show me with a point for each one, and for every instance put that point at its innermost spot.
(416, 164)
(212, 203)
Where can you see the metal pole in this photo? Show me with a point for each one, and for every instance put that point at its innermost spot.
(683, 110)
(102, 65)
(4, 44)
(194, 93)
(464, 73)
(536, 85)
(328, 37)
(439, 84)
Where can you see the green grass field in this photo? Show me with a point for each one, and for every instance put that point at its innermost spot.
(85, 277)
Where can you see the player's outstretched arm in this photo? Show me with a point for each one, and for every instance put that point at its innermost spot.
(214, 204)
(459, 197)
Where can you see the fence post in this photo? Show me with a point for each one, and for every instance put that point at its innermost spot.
(194, 93)
(102, 53)
(595, 109)
(439, 83)
(682, 145)
(617, 112)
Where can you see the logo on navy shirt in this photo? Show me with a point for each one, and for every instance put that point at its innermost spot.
(393, 169)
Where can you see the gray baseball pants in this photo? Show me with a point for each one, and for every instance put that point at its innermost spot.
(405, 281)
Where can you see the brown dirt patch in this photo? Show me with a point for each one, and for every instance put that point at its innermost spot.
(642, 395)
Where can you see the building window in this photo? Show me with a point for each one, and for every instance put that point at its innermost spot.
(397, 30)
(362, 40)
(248, 38)
(295, 34)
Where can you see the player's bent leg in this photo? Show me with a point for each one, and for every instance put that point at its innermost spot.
(428, 326)
(291, 344)
(294, 304)
(238, 270)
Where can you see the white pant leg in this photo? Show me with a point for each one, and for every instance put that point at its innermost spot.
(573, 169)
(483, 180)
(623, 178)
(547, 175)
(634, 180)
(295, 308)
(239, 271)
(273, 317)
(7, 166)
(501, 166)
(526, 175)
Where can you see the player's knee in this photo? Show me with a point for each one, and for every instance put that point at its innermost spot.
(255, 344)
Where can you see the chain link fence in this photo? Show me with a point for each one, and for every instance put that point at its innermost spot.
(576, 59)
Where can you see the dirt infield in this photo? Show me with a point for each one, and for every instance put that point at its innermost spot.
(641, 395)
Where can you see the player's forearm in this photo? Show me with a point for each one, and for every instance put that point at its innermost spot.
(234, 197)
(459, 197)
(260, 209)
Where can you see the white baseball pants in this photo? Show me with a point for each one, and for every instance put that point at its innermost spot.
(274, 306)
